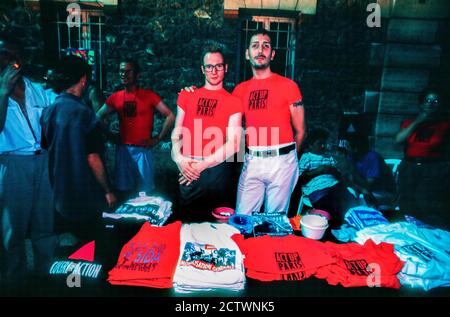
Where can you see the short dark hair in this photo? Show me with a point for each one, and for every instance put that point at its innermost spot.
(260, 31)
(136, 67)
(212, 48)
(71, 69)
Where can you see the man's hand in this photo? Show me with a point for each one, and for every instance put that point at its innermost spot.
(8, 79)
(187, 170)
(111, 199)
(189, 89)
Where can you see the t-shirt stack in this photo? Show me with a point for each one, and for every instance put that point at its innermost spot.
(295, 258)
(209, 259)
(425, 250)
(289, 258)
(357, 265)
(149, 258)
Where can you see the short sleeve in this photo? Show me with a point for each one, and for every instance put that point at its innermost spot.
(111, 101)
(238, 91)
(292, 92)
(156, 99)
(235, 105)
(182, 100)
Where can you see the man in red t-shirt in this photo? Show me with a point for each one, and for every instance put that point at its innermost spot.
(424, 172)
(207, 132)
(135, 107)
(273, 108)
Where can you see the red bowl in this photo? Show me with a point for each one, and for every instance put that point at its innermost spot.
(223, 213)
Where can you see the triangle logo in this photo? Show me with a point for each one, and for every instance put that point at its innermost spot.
(86, 252)
(351, 129)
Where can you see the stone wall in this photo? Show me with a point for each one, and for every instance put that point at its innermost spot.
(166, 36)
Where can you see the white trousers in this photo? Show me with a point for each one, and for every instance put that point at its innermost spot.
(267, 179)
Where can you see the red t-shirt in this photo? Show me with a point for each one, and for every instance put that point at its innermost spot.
(207, 113)
(362, 265)
(289, 258)
(149, 258)
(266, 105)
(427, 140)
(135, 113)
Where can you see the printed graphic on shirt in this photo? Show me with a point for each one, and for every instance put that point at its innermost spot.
(208, 257)
(129, 109)
(84, 268)
(289, 261)
(257, 99)
(206, 107)
(424, 134)
(358, 267)
(142, 256)
(420, 251)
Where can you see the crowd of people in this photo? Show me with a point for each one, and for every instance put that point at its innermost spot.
(53, 176)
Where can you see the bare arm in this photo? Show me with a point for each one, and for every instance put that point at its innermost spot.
(298, 122)
(97, 167)
(104, 111)
(183, 163)
(170, 119)
(404, 133)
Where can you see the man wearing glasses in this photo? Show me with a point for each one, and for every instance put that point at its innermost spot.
(273, 109)
(207, 132)
(425, 170)
(135, 106)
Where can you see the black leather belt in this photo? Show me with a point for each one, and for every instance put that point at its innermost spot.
(271, 153)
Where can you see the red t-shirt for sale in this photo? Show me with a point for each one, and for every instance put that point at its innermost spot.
(149, 258)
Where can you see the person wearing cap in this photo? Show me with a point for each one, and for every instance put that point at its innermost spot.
(273, 108)
(424, 172)
(26, 203)
(207, 132)
(135, 107)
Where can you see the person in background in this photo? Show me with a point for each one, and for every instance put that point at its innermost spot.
(26, 203)
(424, 171)
(321, 181)
(207, 132)
(371, 172)
(73, 136)
(135, 106)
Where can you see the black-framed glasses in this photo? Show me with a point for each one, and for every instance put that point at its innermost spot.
(432, 101)
(218, 67)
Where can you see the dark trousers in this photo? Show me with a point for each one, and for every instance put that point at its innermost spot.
(424, 193)
(211, 190)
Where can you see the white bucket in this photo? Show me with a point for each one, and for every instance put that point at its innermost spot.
(313, 226)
